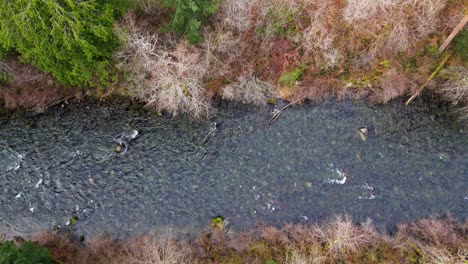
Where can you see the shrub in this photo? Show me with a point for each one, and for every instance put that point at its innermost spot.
(318, 40)
(455, 88)
(72, 40)
(189, 16)
(166, 79)
(249, 90)
(28, 252)
(147, 6)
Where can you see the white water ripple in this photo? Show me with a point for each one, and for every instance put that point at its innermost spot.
(10, 160)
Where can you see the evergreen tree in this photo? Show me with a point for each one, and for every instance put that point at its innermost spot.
(71, 39)
(27, 253)
(189, 16)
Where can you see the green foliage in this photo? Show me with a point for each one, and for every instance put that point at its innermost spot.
(385, 63)
(282, 22)
(73, 220)
(460, 44)
(27, 253)
(217, 222)
(290, 78)
(3, 53)
(410, 64)
(5, 77)
(432, 51)
(189, 16)
(71, 39)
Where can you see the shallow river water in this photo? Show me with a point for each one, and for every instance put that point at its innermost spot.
(312, 163)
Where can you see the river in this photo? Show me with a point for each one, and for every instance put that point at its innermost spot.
(388, 163)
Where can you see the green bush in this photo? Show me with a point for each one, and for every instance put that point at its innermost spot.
(71, 39)
(189, 16)
(27, 253)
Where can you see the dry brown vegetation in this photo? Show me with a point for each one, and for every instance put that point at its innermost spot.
(339, 240)
(253, 50)
(149, 248)
(455, 89)
(370, 49)
(31, 89)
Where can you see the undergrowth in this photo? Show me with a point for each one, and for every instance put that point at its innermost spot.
(339, 240)
(244, 50)
(460, 44)
(290, 78)
(189, 15)
(27, 252)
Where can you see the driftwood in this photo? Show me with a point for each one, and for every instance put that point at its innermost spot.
(277, 114)
(441, 64)
(454, 33)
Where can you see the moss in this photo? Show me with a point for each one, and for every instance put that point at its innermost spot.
(73, 220)
(410, 64)
(289, 78)
(385, 63)
(431, 51)
(365, 79)
(217, 222)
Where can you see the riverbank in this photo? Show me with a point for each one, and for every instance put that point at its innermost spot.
(258, 51)
(338, 240)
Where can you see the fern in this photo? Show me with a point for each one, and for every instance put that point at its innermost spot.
(189, 16)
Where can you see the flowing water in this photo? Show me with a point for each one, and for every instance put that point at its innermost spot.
(311, 164)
